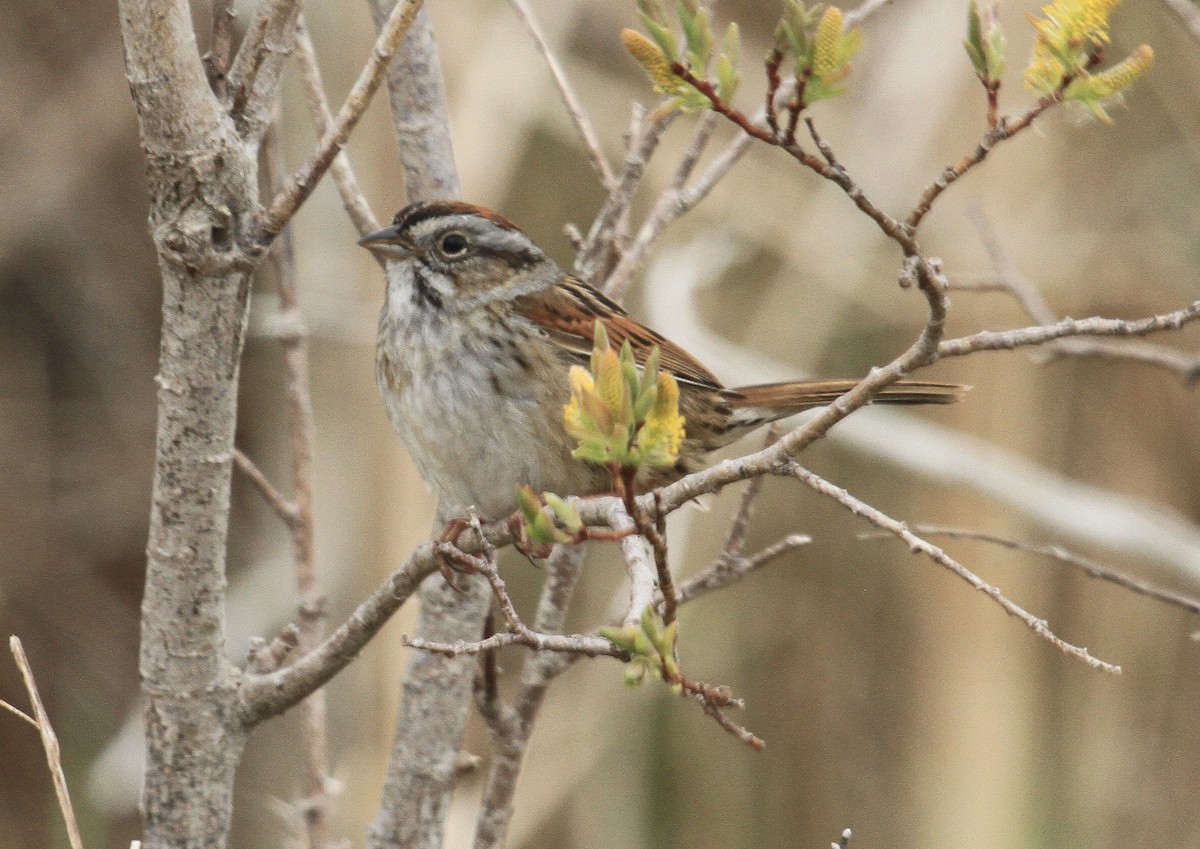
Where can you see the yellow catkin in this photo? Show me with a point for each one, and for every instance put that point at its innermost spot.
(1120, 76)
(652, 60)
(827, 42)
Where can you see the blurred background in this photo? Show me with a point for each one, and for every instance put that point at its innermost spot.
(893, 699)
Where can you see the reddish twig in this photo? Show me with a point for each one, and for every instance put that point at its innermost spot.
(713, 699)
(772, 63)
(1004, 130)
(625, 480)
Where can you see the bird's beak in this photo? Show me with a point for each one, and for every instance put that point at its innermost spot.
(387, 242)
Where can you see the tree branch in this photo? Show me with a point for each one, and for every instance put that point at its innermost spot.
(262, 696)
(297, 190)
(579, 116)
(916, 544)
(258, 66)
(1007, 340)
(1087, 566)
(353, 199)
(202, 181)
(41, 721)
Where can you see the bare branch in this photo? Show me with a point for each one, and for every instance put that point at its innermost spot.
(419, 111)
(639, 563)
(302, 438)
(730, 569)
(16, 711)
(353, 199)
(603, 238)
(1006, 340)
(1010, 280)
(667, 209)
(1005, 129)
(916, 544)
(579, 117)
(1184, 366)
(1062, 555)
(49, 742)
(736, 538)
(264, 696)
(287, 201)
(496, 806)
(284, 509)
(713, 699)
(257, 68)
(584, 644)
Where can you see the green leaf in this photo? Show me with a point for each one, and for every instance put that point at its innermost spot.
(974, 40)
(696, 32)
(565, 511)
(663, 37)
(624, 638)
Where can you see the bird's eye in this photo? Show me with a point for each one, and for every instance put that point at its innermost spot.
(454, 244)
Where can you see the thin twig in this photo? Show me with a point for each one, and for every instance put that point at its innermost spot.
(1005, 129)
(730, 569)
(713, 699)
(1009, 280)
(49, 743)
(265, 695)
(302, 438)
(506, 723)
(297, 190)
(602, 241)
(585, 644)
(735, 540)
(653, 533)
(514, 727)
(245, 64)
(917, 544)
(286, 510)
(353, 199)
(1007, 340)
(667, 209)
(1062, 555)
(13, 709)
(1183, 365)
(579, 117)
(836, 174)
(254, 75)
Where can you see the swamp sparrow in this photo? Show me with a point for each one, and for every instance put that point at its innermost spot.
(477, 334)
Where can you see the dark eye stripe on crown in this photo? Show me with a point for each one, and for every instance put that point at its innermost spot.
(415, 213)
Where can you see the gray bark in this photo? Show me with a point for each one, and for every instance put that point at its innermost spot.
(203, 193)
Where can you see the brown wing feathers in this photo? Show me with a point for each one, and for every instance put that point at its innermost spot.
(568, 312)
